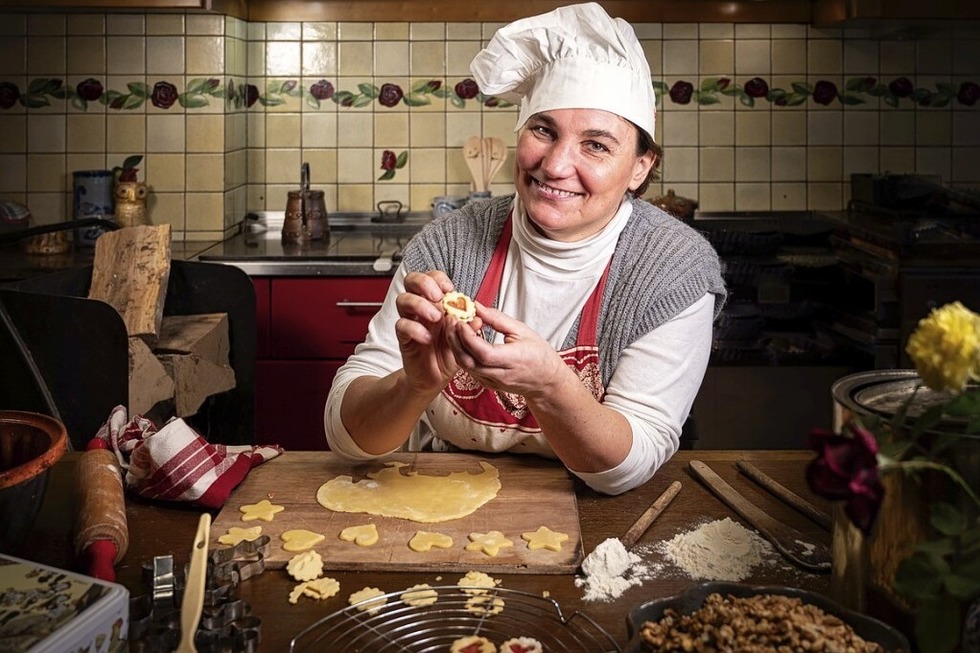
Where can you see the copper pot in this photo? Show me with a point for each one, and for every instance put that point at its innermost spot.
(306, 216)
(679, 207)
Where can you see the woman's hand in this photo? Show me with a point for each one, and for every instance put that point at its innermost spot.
(427, 361)
(524, 364)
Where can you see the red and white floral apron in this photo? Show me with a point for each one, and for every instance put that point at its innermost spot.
(497, 421)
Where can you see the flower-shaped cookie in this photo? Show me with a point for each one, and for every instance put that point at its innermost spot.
(264, 510)
(305, 566)
(490, 543)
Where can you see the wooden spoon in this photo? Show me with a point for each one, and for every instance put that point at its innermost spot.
(471, 152)
(498, 155)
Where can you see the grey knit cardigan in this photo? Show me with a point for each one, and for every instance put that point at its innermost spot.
(660, 267)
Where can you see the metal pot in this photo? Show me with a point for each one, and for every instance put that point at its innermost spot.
(306, 212)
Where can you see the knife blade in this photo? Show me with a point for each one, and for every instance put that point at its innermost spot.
(791, 543)
(782, 492)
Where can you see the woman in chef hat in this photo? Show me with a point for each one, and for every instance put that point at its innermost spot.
(594, 309)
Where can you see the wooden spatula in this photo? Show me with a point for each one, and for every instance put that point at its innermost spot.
(193, 602)
(498, 155)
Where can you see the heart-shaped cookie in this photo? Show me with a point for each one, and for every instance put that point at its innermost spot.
(300, 539)
(364, 535)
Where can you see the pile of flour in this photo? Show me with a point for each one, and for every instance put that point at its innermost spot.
(610, 569)
(718, 550)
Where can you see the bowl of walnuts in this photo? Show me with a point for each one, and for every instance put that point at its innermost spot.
(720, 616)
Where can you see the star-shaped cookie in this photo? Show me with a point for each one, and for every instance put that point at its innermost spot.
(264, 510)
(490, 543)
(544, 538)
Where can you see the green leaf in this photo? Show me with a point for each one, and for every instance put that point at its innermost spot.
(420, 87)
(442, 92)
(961, 587)
(457, 101)
(62, 93)
(946, 88)
(79, 103)
(795, 99)
(947, 519)
(139, 89)
(854, 84)
(746, 100)
(132, 161)
(312, 102)
(802, 88)
(192, 101)
(416, 100)
(196, 85)
(369, 89)
(917, 576)
(707, 99)
(133, 102)
(33, 101)
(850, 98)
(363, 101)
(43, 86)
(937, 625)
(271, 100)
(388, 174)
(401, 160)
(941, 547)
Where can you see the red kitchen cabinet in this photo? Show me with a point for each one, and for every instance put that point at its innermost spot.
(311, 326)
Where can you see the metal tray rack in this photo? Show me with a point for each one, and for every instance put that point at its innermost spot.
(400, 627)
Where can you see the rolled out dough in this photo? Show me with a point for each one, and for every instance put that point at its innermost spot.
(414, 496)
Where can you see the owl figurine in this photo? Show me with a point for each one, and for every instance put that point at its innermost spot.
(131, 203)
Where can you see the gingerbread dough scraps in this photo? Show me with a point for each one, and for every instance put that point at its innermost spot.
(412, 495)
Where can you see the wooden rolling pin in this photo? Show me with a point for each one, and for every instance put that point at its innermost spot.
(101, 532)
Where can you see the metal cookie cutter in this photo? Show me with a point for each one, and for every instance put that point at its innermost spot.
(226, 622)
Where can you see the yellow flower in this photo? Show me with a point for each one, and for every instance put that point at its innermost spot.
(945, 347)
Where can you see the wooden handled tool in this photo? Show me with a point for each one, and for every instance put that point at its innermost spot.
(193, 601)
(641, 525)
(101, 531)
(782, 492)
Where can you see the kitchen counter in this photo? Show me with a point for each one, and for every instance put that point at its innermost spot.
(163, 529)
(356, 244)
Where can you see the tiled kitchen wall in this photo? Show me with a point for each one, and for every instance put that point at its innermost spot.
(752, 117)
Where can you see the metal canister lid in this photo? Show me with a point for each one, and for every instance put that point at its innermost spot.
(885, 393)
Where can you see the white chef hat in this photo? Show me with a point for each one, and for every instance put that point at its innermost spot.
(574, 57)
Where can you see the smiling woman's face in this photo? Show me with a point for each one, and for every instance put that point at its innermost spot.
(573, 167)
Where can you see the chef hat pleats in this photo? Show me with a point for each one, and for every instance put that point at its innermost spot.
(574, 57)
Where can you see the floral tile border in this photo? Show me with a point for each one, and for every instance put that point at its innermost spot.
(199, 91)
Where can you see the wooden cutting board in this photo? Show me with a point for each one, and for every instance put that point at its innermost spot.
(534, 492)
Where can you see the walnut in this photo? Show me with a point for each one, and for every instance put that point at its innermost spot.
(755, 624)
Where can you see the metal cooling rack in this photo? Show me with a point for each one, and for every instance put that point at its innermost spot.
(399, 627)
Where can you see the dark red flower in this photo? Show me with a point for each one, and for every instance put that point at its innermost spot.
(288, 86)
(9, 94)
(388, 160)
(348, 101)
(251, 94)
(391, 95)
(867, 83)
(322, 90)
(756, 88)
(491, 102)
(467, 89)
(723, 83)
(846, 469)
(89, 89)
(164, 95)
(681, 92)
(211, 84)
(824, 92)
(118, 102)
(901, 87)
(968, 94)
(433, 85)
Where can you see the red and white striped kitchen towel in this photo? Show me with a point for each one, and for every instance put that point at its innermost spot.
(175, 463)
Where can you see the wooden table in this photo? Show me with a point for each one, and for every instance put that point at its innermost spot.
(158, 530)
